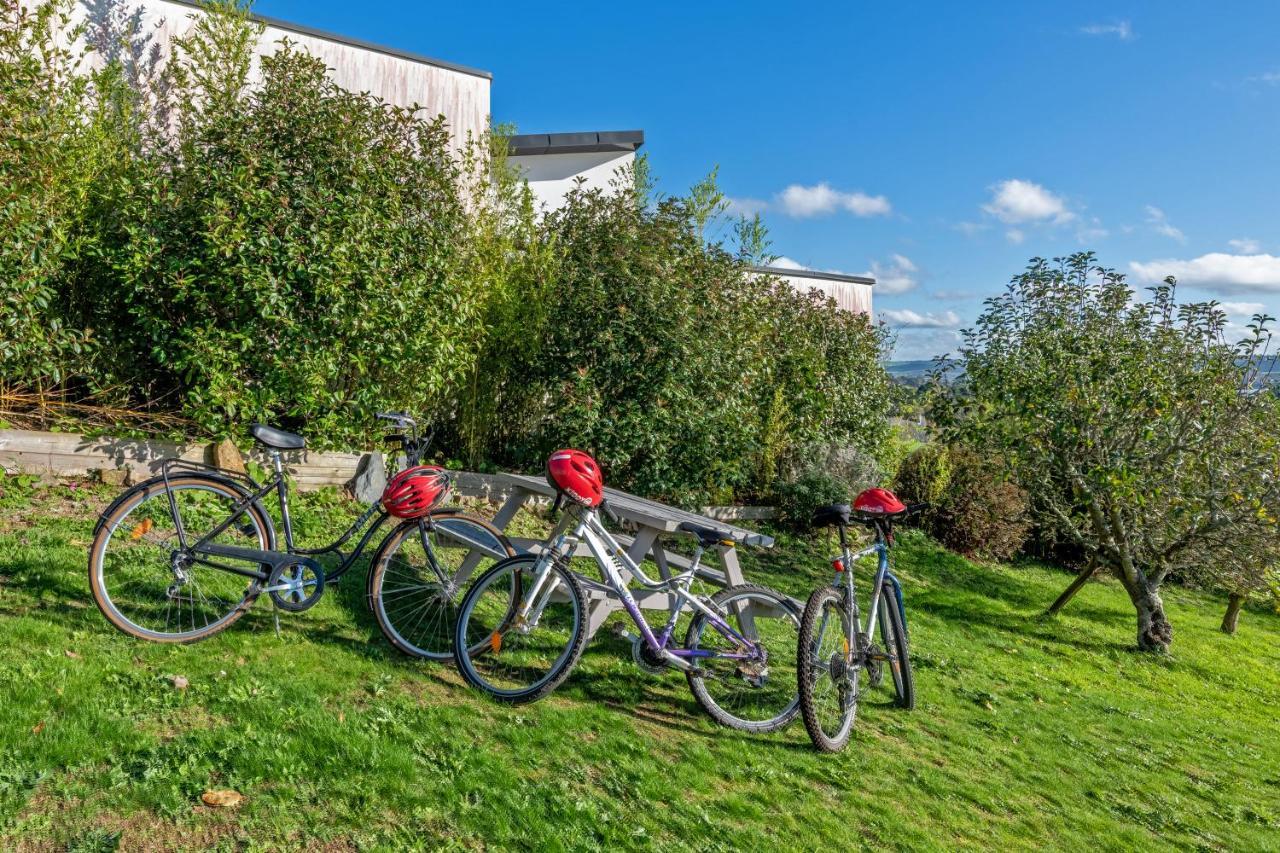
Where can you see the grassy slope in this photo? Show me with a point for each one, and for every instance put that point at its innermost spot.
(1027, 733)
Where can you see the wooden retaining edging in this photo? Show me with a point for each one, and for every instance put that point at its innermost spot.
(127, 460)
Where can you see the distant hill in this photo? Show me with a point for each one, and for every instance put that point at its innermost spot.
(916, 373)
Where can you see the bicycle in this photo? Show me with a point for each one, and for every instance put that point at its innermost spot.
(737, 650)
(182, 556)
(834, 649)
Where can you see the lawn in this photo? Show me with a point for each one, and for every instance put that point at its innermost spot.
(1027, 733)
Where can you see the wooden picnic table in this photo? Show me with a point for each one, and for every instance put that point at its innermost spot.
(650, 521)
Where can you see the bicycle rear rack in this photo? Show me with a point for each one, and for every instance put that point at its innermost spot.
(169, 465)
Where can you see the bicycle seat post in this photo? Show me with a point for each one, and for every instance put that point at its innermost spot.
(283, 493)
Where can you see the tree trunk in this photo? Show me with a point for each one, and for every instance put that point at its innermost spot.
(1154, 631)
(1070, 592)
(1229, 621)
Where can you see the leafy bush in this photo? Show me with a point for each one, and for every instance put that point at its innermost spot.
(47, 166)
(974, 508)
(796, 500)
(924, 475)
(290, 251)
(687, 375)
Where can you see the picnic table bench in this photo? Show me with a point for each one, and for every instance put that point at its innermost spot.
(650, 521)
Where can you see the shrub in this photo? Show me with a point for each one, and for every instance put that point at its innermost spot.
(267, 245)
(688, 376)
(47, 167)
(974, 509)
(295, 258)
(924, 475)
(797, 499)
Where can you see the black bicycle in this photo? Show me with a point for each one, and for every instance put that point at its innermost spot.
(182, 556)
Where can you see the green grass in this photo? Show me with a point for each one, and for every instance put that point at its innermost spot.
(1027, 734)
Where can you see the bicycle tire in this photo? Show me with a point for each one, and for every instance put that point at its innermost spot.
(894, 636)
(119, 511)
(400, 619)
(470, 661)
(785, 657)
(814, 665)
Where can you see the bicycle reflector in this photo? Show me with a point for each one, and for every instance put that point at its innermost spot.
(416, 491)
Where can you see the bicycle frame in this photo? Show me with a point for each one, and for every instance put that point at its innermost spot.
(613, 560)
(884, 575)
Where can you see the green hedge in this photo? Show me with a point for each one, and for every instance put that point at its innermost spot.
(293, 252)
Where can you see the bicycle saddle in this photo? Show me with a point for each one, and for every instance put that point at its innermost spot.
(707, 536)
(837, 514)
(277, 439)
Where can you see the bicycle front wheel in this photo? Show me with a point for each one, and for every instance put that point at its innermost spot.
(143, 583)
(893, 634)
(520, 660)
(419, 574)
(828, 683)
(745, 688)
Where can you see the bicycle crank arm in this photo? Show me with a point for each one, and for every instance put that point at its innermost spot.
(672, 660)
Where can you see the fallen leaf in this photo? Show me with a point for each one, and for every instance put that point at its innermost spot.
(71, 654)
(39, 727)
(222, 799)
(179, 682)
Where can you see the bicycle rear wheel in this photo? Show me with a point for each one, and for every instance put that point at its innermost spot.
(745, 692)
(142, 583)
(515, 662)
(828, 684)
(894, 636)
(416, 608)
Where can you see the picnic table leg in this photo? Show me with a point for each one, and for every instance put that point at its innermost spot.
(733, 577)
(659, 555)
(601, 608)
(503, 517)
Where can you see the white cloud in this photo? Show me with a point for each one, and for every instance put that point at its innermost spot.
(913, 319)
(1122, 30)
(1093, 230)
(821, 200)
(1216, 271)
(745, 206)
(1016, 201)
(915, 343)
(783, 262)
(897, 276)
(1015, 236)
(1245, 246)
(1271, 78)
(1242, 309)
(969, 229)
(1161, 224)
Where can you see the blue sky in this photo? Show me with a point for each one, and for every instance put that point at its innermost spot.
(936, 145)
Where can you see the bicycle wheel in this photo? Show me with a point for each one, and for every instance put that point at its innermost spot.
(894, 637)
(513, 662)
(139, 578)
(745, 693)
(828, 684)
(416, 607)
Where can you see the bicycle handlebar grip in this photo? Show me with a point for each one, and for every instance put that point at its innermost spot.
(913, 509)
(608, 510)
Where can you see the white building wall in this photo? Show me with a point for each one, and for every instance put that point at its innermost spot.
(852, 296)
(461, 96)
(551, 176)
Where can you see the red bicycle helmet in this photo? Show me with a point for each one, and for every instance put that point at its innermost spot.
(576, 476)
(415, 491)
(878, 502)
